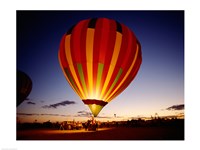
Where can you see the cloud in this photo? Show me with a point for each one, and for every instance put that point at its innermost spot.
(31, 103)
(84, 114)
(63, 103)
(106, 117)
(110, 117)
(55, 115)
(35, 114)
(28, 114)
(176, 107)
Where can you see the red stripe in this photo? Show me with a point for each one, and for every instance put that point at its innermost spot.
(108, 50)
(97, 38)
(76, 46)
(62, 55)
(131, 49)
(104, 31)
(134, 70)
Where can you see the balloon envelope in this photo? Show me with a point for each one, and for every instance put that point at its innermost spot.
(99, 57)
(24, 86)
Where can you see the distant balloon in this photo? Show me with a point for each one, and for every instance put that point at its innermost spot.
(99, 58)
(24, 86)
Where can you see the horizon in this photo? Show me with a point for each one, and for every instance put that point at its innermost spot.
(177, 115)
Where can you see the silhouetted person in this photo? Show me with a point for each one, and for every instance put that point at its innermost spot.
(85, 126)
(96, 126)
(62, 126)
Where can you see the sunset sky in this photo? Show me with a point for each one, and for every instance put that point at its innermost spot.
(157, 88)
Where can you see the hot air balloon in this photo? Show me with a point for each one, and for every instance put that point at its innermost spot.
(24, 86)
(99, 58)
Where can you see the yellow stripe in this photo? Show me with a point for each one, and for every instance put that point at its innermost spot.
(113, 62)
(71, 66)
(99, 76)
(77, 92)
(89, 59)
(125, 77)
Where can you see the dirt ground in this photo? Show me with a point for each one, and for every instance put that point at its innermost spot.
(120, 133)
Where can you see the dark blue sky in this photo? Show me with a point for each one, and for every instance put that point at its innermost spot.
(159, 83)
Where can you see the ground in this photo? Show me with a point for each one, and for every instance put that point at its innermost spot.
(115, 133)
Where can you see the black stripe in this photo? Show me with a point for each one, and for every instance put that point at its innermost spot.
(94, 101)
(92, 23)
(119, 27)
(70, 30)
